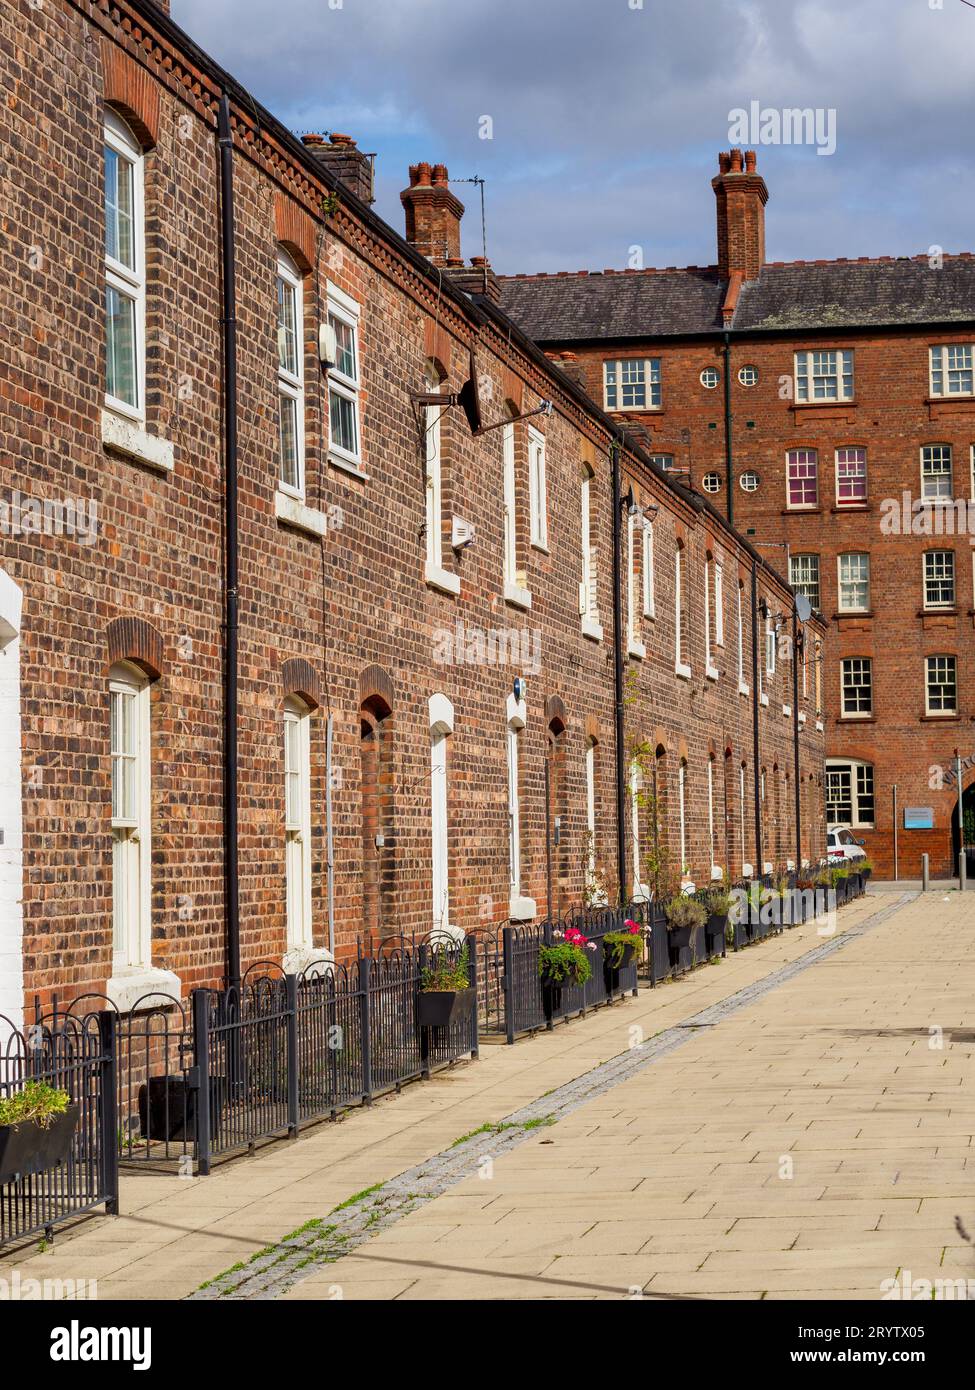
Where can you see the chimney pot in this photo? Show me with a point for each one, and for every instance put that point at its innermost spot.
(433, 215)
(736, 161)
(439, 176)
(741, 195)
(311, 139)
(344, 161)
(750, 162)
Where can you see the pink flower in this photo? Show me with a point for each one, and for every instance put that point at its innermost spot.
(632, 925)
(590, 946)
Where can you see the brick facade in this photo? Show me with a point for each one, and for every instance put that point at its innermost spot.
(336, 607)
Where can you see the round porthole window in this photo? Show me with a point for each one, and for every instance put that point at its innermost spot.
(748, 482)
(748, 376)
(711, 482)
(710, 377)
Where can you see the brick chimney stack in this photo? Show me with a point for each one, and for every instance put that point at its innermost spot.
(741, 194)
(345, 161)
(433, 215)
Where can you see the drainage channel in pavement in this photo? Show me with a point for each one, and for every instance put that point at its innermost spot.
(274, 1270)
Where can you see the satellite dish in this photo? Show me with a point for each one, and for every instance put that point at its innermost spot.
(470, 401)
(803, 608)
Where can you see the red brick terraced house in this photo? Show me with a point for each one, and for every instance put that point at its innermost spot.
(308, 609)
(828, 408)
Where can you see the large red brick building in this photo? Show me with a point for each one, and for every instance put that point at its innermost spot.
(293, 655)
(829, 409)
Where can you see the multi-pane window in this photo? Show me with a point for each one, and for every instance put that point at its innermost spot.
(588, 595)
(131, 848)
(941, 685)
(297, 823)
(343, 381)
(633, 531)
(802, 467)
(854, 582)
(749, 481)
(711, 482)
(939, 579)
(592, 880)
(125, 282)
(663, 461)
(851, 477)
(825, 375)
(516, 723)
(953, 370)
(936, 471)
(849, 794)
(648, 587)
(510, 557)
(718, 604)
(742, 686)
(710, 377)
(748, 375)
(538, 506)
(682, 654)
(441, 727)
(434, 473)
(632, 383)
(291, 390)
(682, 813)
(804, 577)
(856, 686)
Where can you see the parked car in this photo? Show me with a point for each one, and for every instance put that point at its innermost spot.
(840, 843)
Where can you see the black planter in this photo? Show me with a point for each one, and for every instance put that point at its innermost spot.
(167, 1108)
(679, 941)
(714, 931)
(28, 1148)
(629, 951)
(439, 1008)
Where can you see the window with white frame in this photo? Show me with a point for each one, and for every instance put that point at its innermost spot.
(434, 472)
(741, 809)
(648, 585)
(640, 891)
(665, 462)
(770, 645)
(804, 577)
(742, 685)
(538, 505)
(940, 685)
(297, 822)
(849, 793)
(802, 472)
(682, 813)
(516, 724)
(632, 383)
(936, 481)
(510, 558)
(633, 529)
(345, 445)
(591, 877)
(718, 604)
(441, 727)
(939, 579)
(856, 687)
(125, 270)
(818, 675)
(953, 369)
(291, 376)
(824, 375)
(588, 588)
(711, 813)
(854, 582)
(682, 663)
(851, 477)
(131, 818)
(708, 654)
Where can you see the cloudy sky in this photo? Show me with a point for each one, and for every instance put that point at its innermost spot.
(607, 115)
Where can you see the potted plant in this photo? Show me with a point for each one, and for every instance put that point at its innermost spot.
(684, 914)
(838, 876)
(37, 1124)
(565, 961)
(446, 994)
(619, 947)
(717, 904)
(865, 866)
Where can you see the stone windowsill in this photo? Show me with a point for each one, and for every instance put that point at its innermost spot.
(127, 437)
(521, 909)
(742, 687)
(711, 672)
(636, 649)
(147, 986)
(444, 580)
(516, 595)
(292, 511)
(680, 669)
(763, 698)
(593, 629)
(349, 466)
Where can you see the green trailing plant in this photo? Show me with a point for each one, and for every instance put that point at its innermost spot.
(684, 911)
(594, 886)
(564, 963)
(448, 973)
(718, 901)
(837, 873)
(781, 886)
(37, 1103)
(616, 944)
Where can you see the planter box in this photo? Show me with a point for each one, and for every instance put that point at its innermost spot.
(167, 1108)
(678, 941)
(28, 1148)
(714, 934)
(629, 951)
(439, 1008)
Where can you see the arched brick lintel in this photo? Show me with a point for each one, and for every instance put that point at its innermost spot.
(295, 230)
(376, 684)
(299, 677)
(135, 640)
(555, 710)
(129, 88)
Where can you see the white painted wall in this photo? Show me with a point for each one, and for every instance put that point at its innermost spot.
(11, 809)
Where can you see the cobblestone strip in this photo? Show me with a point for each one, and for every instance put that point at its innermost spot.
(274, 1270)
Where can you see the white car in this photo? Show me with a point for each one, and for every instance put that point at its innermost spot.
(840, 843)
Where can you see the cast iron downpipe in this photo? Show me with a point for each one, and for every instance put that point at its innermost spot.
(729, 471)
(614, 454)
(759, 849)
(229, 326)
(795, 734)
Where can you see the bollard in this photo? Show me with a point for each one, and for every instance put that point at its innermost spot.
(962, 870)
(924, 873)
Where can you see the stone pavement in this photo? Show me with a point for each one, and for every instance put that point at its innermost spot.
(178, 1233)
(810, 1145)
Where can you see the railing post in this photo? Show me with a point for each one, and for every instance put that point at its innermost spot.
(201, 1059)
(472, 976)
(508, 982)
(108, 1109)
(291, 1001)
(925, 873)
(365, 973)
(549, 1006)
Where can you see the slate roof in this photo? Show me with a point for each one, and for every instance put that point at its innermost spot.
(796, 296)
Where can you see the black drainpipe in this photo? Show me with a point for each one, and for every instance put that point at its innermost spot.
(795, 734)
(229, 326)
(759, 852)
(729, 471)
(614, 454)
